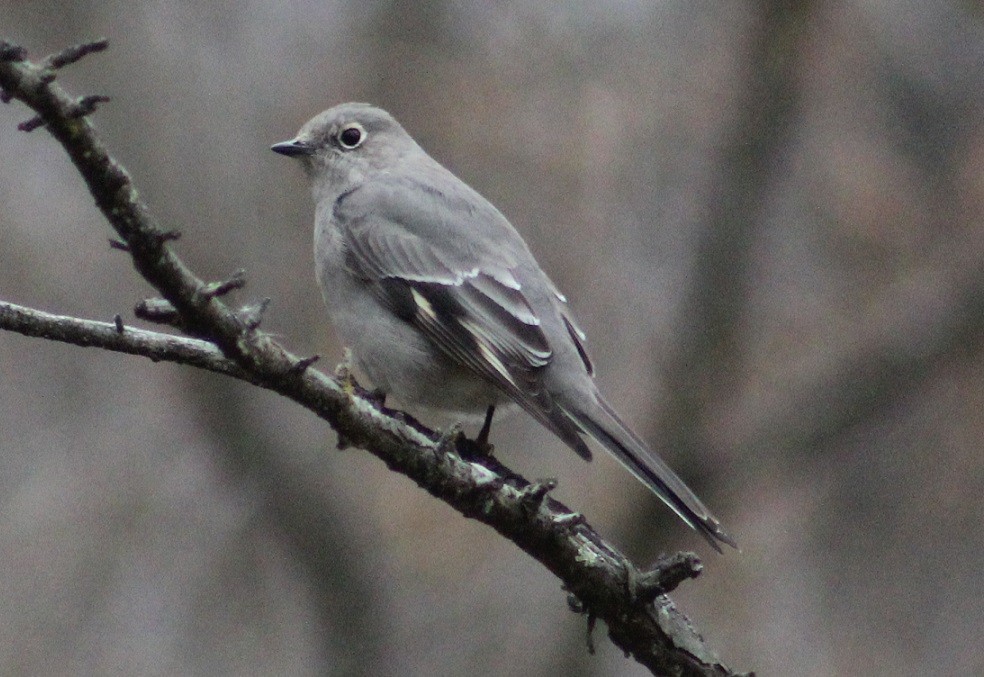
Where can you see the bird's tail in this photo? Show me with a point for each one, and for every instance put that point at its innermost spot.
(603, 424)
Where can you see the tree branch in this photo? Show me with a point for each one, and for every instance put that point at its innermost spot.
(602, 579)
(109, 336)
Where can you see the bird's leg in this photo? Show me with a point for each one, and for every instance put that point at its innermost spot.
(377, 396)
(479, 447)
(483, 435)
(343, 372)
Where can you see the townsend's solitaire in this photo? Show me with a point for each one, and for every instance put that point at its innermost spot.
(441, 302)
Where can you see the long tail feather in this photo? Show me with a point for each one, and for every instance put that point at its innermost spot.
(603, 424)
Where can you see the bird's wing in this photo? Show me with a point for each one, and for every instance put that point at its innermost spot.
(470, 305)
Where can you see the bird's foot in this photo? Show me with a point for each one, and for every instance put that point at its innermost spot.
(480, 447)
(343, 373)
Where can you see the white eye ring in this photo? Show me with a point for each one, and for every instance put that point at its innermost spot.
(351, 135)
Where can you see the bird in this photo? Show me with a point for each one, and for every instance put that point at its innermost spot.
(441, 303)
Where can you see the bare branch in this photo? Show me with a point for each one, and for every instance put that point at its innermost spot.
(70, 55)
(656, 634)
(108, 336)
(593, 571)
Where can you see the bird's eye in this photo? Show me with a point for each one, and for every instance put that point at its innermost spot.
(351, 136)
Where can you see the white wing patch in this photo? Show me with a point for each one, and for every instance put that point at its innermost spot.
(423, 304)
(504, 277)
(482, 341)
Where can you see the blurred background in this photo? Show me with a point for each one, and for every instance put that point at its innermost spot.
(768, 217)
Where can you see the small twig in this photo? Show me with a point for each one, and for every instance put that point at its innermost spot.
(302, 364)
(116, 243)
(86, 105)
(533, 494)
(30, 124)
(107, 335)
(72, 54)
(236, 281)
(118, 321)
(163, 236)
(160, 311)
(668, 572)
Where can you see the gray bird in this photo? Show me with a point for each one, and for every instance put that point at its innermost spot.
(441, 302)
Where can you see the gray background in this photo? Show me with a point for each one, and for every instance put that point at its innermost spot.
(812, 365)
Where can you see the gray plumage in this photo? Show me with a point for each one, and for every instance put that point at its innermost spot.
(441, 302)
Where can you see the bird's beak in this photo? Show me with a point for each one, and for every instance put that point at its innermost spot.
(293, 148)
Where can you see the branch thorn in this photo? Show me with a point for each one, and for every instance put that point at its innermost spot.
(302, 364)
(167, 236)
(86, 105)
(31, 124)
(236, 281)
(532, 494)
